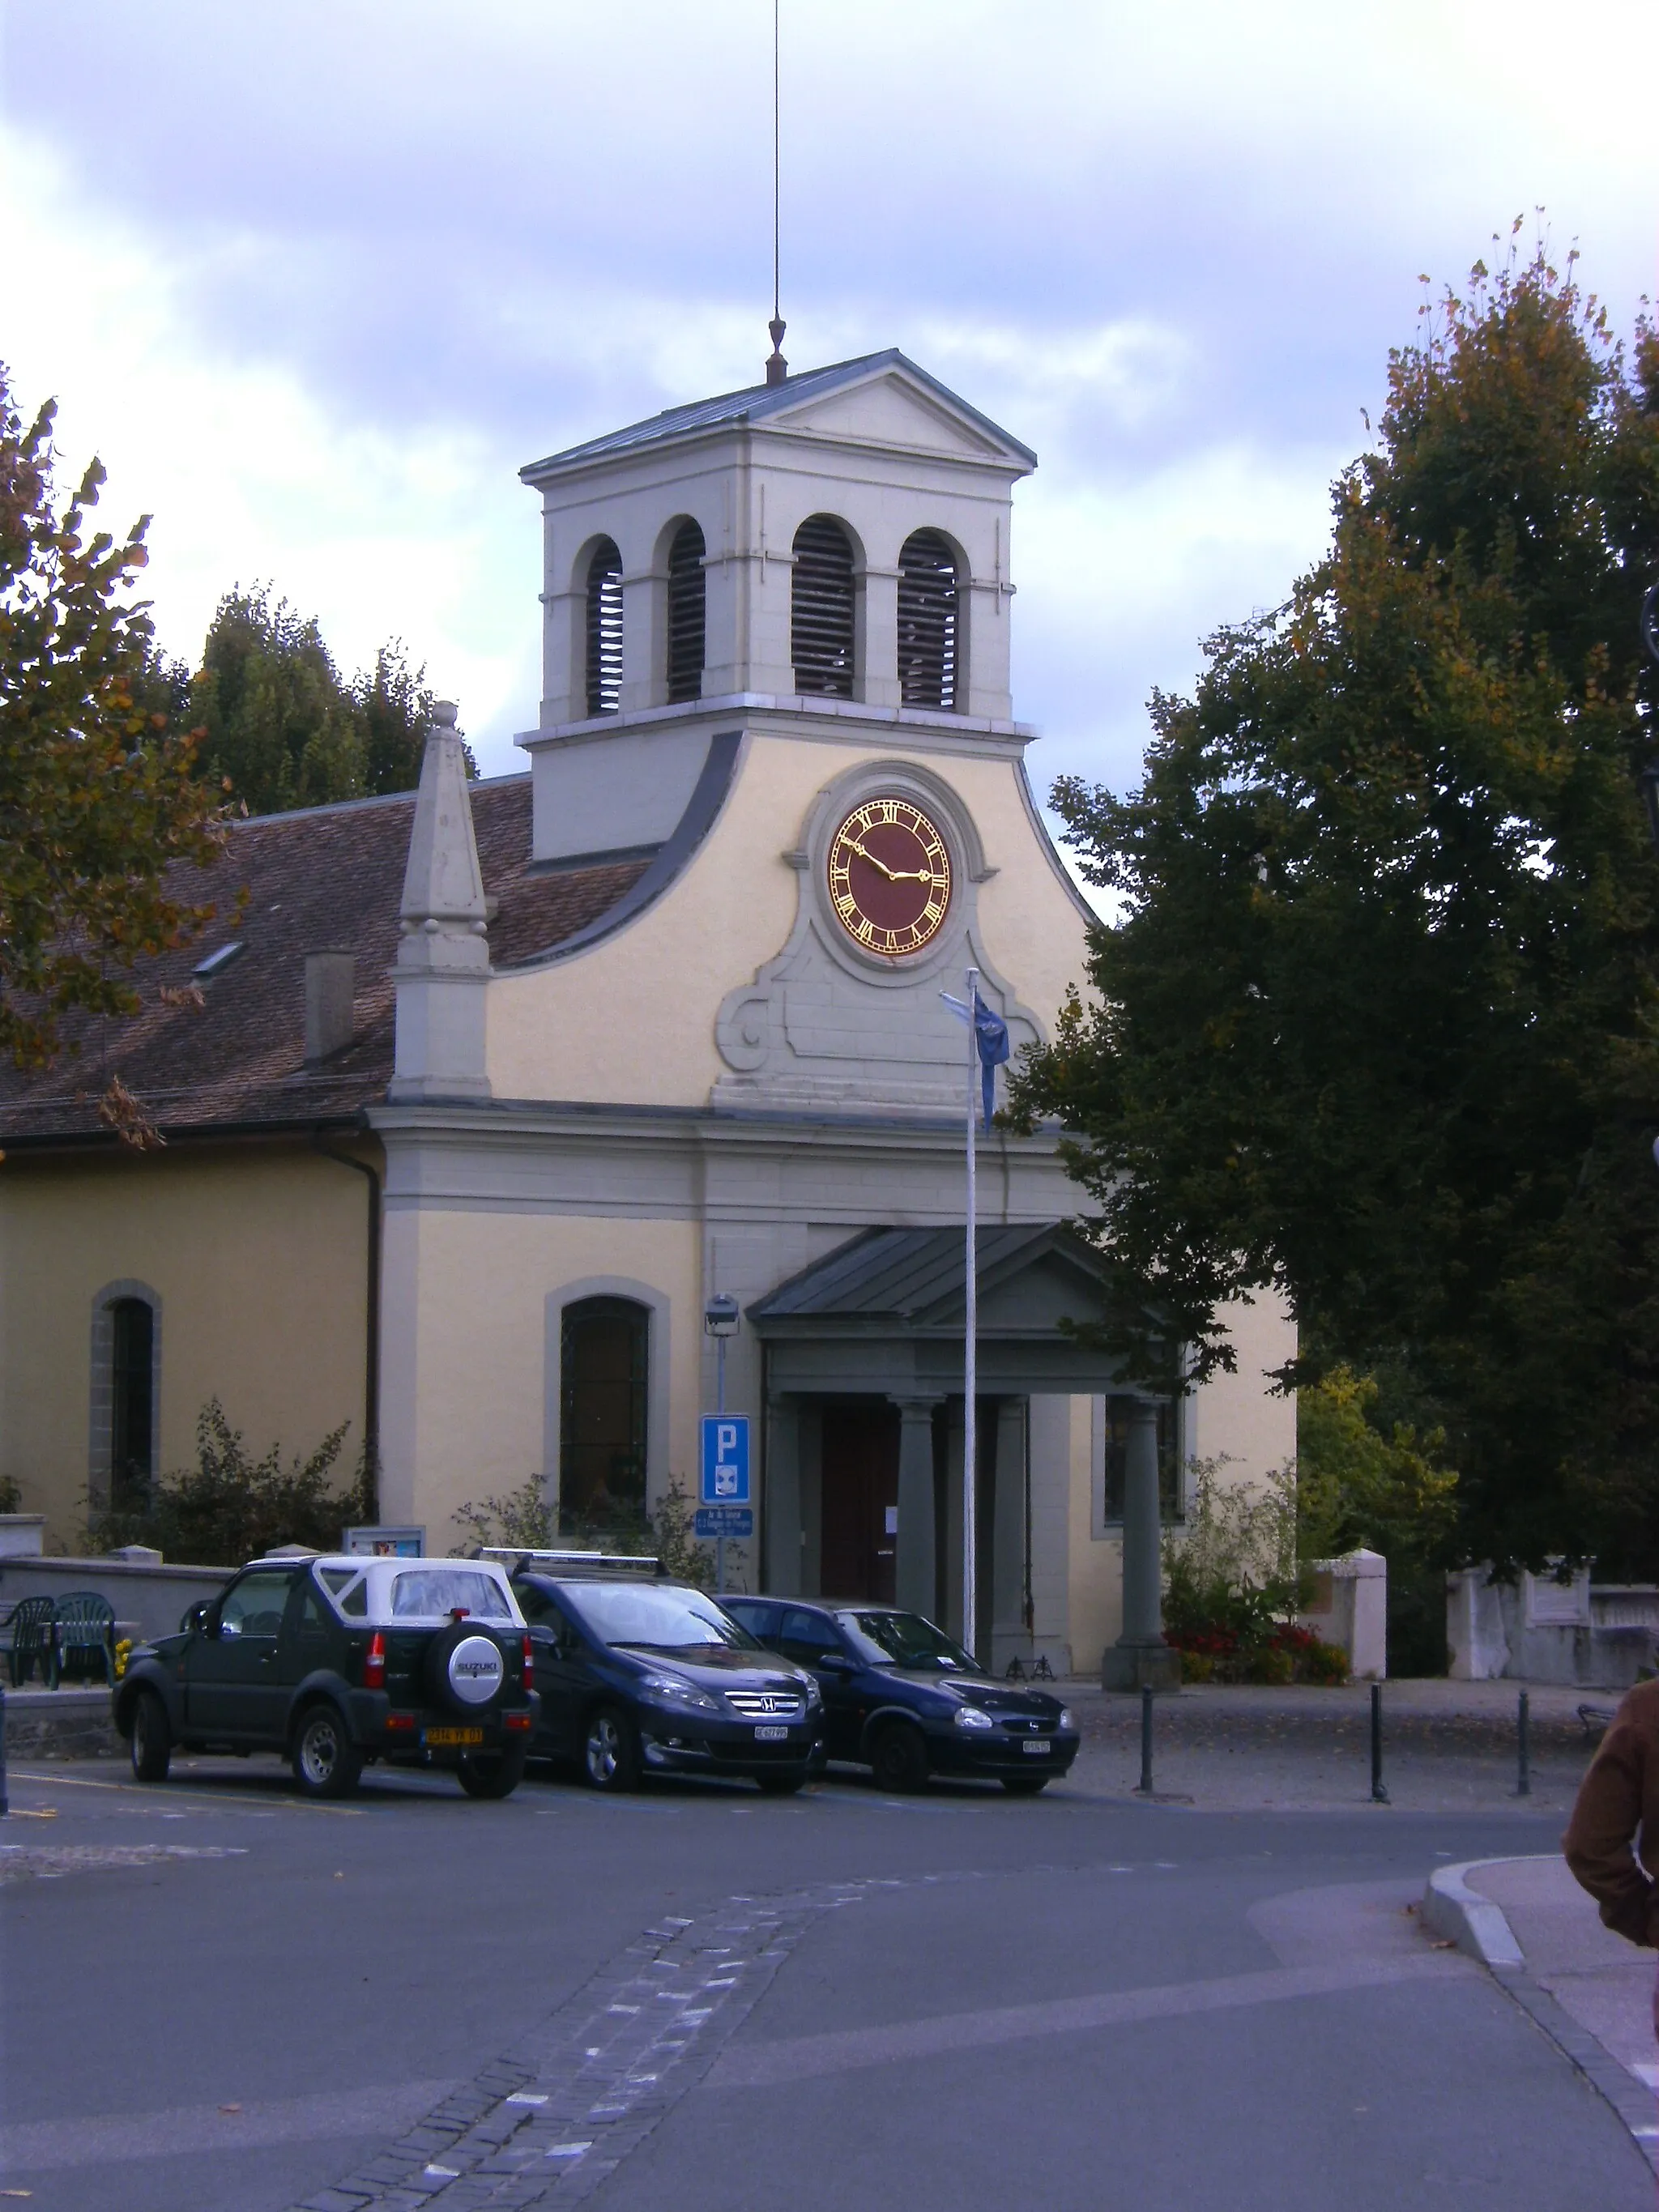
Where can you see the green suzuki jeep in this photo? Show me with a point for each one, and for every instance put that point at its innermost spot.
(335, 1662)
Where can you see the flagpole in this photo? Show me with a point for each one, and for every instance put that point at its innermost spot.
(970, 1351)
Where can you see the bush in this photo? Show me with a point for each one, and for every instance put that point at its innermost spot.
(1233, 1585)
(230, 1507)
(525, 1517)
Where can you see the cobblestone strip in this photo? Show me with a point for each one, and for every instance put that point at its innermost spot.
(545, 2123)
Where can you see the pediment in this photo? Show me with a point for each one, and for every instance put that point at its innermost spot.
(889, 409)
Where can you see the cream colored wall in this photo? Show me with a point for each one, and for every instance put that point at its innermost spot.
(464, 1349)
(1240, 1415)
(555, 1032)
(259, 1256)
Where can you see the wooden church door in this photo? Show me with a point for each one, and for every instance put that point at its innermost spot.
(860, 1502)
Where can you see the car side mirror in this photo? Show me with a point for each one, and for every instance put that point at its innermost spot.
(833, 1662)
(196, 1618)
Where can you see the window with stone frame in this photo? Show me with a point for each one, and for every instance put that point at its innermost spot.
(822, 609)
(604, 628)
(688, 596)
(927, 629)
(605, 1359)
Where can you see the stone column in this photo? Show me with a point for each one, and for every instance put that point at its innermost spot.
(782, 1505)
(1011, 1635)
(1140, 1658)
(913, 1578)
(877, 658)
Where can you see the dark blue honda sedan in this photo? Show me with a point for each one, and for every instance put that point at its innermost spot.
(902, 1699)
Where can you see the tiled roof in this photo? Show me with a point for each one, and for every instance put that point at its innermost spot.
(754, 403)
(325, 878)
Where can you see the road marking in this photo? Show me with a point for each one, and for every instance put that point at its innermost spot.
(845, 2050)
(96, 2139)
(199, 1796)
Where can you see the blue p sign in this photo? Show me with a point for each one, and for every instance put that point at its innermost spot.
(724, 1459)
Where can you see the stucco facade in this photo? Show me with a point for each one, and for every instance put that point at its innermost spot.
(643, 1055)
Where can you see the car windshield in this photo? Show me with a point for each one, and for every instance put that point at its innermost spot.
(645, 1617)
(431, 1592)
(905, 1639)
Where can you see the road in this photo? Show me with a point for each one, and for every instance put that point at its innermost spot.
(217, 1999)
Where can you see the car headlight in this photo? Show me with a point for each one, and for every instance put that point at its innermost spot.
(814, 1695)
(975, 1718)
(668, 1690)
(1066, 1724)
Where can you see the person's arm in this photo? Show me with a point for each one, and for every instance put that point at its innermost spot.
(1600, 1838)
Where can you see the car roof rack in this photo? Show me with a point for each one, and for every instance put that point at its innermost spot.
(519, 1557)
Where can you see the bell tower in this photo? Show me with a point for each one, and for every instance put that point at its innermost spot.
(833, 547)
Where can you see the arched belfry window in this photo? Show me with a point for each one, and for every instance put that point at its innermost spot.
(687, 600)
(604, 628)
(604, 1388)
(927, 629)
(821, 609)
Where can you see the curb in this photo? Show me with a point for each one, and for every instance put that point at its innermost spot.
(1460, 1915)
(1463, 1916)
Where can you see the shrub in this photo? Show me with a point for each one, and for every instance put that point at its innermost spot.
(525, 1516)
(1233, 1585)
(230, 1507)
(11, 1494)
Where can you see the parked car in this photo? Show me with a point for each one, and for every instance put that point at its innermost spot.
(641, 1675)
(332, 1662)
(900, 1697)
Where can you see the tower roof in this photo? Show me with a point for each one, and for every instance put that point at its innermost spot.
(757, 403)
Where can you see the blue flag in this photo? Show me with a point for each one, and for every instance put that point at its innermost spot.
(991, 1036)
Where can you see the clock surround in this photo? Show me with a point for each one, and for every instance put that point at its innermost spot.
(889, 876)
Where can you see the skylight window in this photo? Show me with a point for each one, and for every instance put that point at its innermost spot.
(217, 961)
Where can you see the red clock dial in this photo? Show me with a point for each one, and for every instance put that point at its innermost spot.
(890, 877)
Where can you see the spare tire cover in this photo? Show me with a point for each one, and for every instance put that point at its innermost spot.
(475, 1670)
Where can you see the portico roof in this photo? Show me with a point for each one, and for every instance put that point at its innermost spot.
(885, 1312)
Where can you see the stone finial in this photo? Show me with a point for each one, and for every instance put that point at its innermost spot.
(443, 958)
(443, 912)
(777, 368)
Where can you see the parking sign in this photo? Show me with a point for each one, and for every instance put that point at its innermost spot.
(726, 1458)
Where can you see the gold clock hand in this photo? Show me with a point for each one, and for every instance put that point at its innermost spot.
(891, 876)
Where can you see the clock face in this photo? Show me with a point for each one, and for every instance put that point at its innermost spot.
(890, 877)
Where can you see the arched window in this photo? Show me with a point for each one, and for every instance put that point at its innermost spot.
(604, 628)
(687, 598)
(821, 609)
(132, 1401)
(603, 1381)
(928, 622)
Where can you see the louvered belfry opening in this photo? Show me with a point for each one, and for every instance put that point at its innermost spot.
(687, 607)
(821, 627)
(928, 622)
(605, 629)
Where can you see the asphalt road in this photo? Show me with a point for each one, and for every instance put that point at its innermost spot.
(217, 1999)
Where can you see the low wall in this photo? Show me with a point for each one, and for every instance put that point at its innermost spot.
(60, 1724)
(146, 1593)
(1350, 1609)
(1538, 1630)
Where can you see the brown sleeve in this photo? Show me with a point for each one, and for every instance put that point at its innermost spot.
(1600, 1838)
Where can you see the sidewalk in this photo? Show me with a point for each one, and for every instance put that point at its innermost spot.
(1597, 1979)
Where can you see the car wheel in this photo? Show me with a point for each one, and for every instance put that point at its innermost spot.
(152, 1739)
(900, 1759)
(326, 1762)
(781, 1785)
(491, 1773)
(1025, 1785)
(611, 1755)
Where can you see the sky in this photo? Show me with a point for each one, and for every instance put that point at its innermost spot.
(315, 279)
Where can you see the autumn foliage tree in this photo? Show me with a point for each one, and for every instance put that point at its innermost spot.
(1378, 1024)
(100, 794)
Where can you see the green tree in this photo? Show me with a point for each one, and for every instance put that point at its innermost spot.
(99, 793)
(285, 728)
(1378, 1023)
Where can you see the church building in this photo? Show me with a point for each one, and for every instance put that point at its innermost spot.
(486, 1091)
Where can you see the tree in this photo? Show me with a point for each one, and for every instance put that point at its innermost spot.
(99, 792)
(1377, 1024)
(285, 728)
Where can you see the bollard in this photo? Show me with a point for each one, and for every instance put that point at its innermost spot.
(1379, 1795)
(1146, 1784)
(1523, 1746)
(5, 1804)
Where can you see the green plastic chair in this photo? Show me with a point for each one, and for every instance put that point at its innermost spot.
(34, 1641)
(85, 1635)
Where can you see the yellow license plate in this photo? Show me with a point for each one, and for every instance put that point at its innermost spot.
(454, 1735)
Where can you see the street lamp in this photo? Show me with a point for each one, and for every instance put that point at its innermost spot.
(719, 1320)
